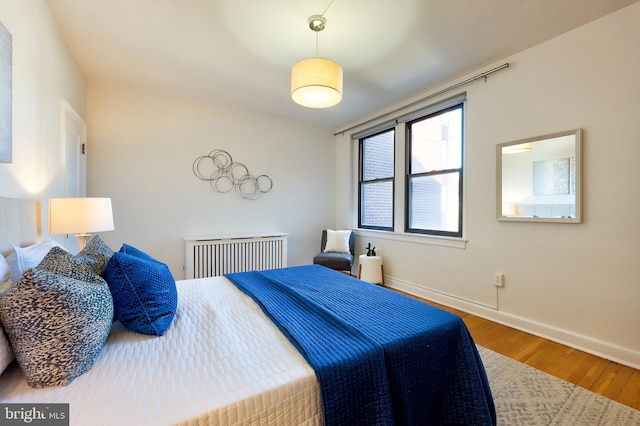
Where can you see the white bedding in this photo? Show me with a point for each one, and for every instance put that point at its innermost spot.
(222, 362)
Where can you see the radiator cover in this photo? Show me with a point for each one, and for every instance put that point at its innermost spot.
(218, 255)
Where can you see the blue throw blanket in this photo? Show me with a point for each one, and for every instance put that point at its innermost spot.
(381, 358)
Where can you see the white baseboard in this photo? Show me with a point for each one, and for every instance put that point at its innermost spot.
(584, 343)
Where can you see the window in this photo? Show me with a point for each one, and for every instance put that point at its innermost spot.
(433, 200)
(376, 180)
(426, 146)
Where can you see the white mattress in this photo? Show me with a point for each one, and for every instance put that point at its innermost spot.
(222, 362)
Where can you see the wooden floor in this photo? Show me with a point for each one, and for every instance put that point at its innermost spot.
(604, 377)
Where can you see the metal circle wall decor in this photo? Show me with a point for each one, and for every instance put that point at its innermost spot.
(223, 174)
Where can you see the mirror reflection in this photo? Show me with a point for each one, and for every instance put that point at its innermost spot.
(538, 179)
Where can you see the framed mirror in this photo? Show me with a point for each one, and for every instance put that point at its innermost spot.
(539, 179)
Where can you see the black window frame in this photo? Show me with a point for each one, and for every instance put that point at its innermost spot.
(409, 175)
(362, 182)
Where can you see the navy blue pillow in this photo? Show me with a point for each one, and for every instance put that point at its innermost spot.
(126, 248)
(144, 291)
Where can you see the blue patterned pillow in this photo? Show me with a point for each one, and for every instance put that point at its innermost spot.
(61, 262)
(96, 253)
(57, 325)
(126, 248)
(143, 289)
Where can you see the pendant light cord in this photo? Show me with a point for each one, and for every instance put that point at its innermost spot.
(322, 15)
(327, 8)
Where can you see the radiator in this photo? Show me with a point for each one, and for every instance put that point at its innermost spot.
(214, 256)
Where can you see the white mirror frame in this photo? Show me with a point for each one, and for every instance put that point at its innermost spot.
(577, 217)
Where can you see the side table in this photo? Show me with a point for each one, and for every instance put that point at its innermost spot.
(370, 269)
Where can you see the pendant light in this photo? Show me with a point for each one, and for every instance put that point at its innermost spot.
(316, 82)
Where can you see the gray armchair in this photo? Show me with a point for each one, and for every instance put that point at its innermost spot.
(333, 260)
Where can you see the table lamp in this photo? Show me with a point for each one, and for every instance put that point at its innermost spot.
(80, 216)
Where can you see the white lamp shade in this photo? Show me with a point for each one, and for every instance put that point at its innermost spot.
(316, 83)
(80, 215)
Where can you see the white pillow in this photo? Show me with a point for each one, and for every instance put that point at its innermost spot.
(5, 271)
(338, 241)
(6, 354)
(24, 258)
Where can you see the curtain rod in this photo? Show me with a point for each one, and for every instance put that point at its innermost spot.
(433, 95)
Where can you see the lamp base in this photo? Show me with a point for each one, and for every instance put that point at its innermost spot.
(82, 240)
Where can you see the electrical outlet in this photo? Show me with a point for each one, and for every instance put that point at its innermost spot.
(498, 279)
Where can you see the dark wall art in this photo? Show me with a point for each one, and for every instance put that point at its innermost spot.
(224, 174)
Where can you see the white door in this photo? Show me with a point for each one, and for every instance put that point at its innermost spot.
(74, 133)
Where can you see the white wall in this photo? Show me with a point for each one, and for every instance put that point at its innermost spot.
(141, 150)
(576, 283)
(44, 73)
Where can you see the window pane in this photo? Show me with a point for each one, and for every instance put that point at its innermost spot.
(377, 204)
(378, 156)
(436, 142)
(434, 202)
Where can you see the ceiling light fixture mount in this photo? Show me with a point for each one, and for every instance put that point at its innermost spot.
(317, 22)
(316, 82)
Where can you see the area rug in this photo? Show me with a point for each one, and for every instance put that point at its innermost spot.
(527, 396)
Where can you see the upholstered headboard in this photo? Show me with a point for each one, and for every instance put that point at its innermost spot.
(18, 223)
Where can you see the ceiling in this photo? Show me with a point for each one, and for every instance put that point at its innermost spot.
(239, 52)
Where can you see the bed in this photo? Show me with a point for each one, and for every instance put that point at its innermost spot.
(241, 350)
